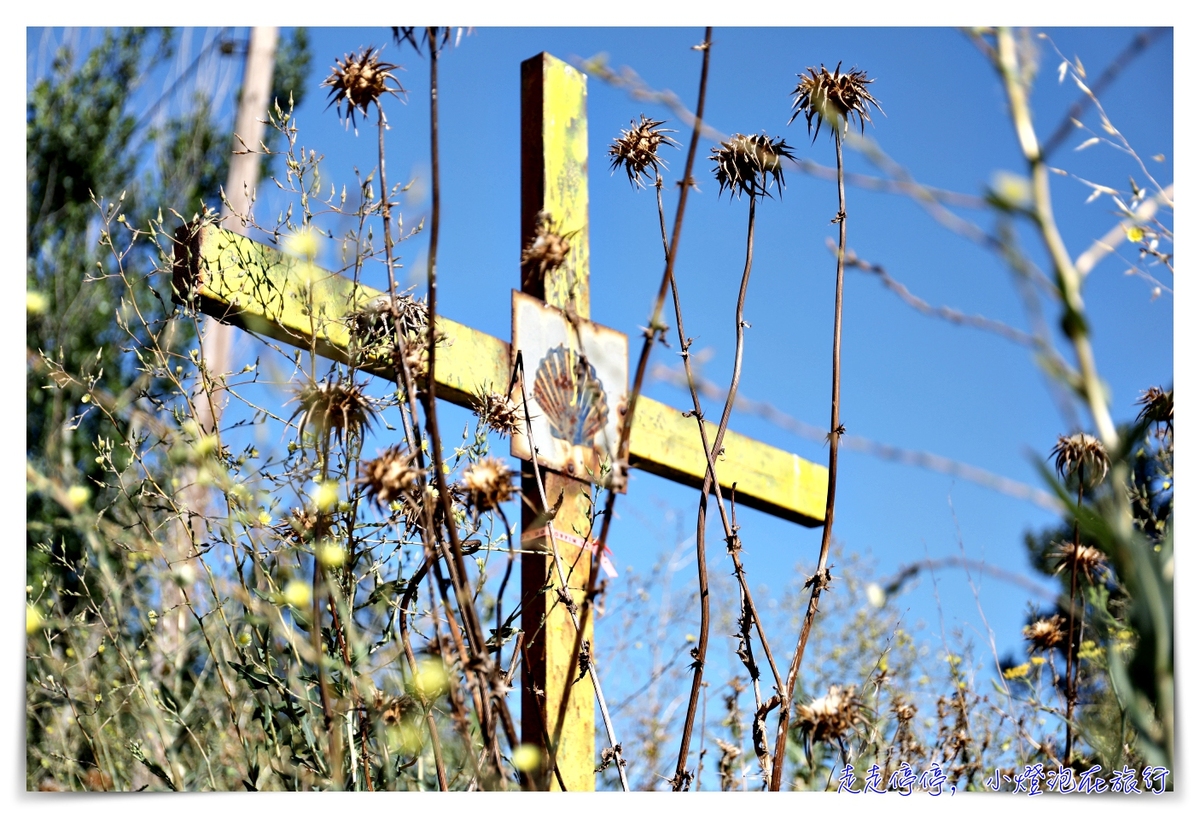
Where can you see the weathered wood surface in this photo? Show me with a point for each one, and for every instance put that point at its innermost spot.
(263, 290)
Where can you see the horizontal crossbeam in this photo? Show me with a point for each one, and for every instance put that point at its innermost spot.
(267, 292)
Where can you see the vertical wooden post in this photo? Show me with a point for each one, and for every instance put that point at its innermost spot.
(554, 181)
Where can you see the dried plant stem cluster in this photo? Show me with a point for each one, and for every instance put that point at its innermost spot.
(352, 620)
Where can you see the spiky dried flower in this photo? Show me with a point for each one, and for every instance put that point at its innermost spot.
(299, 527)
(373, 330)
(905, 712)
(389, 477)
(831, 716)
(499, 413)
(359, 80)
(748, 164)
(636, 150)
(1158, 406)
(1045, 633)
(547, 251)
(488, 483)
(339, 407)
(1081, 456)
(833, 99)
(372, 324)
(1088, 560)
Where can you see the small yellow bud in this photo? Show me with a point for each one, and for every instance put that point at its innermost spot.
(527, 758)
(430, 679)
(331, 555)
(303, 244)
(78, 495)
(297, 594)
(35, 302)
(33, 619)
(326, 496)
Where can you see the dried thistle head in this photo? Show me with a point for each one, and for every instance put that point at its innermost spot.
(748, 164)
(488, 483)
(389, 477)
(360, 79)
(373, 328)
(1081, 456)
(1087, 560)
(834, 99)
(905, 712)
(831, 716)
(1158, 406)
(547, 251)
(299, 527)
(499, 413)
(337, 407)
(375, 317)
(1045, 633)
(636, 150)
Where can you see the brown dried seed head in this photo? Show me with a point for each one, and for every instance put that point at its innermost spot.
(904, 711)
(547, 251)
(499, 413)
(1044, 634)
(338, 406)
(748, 164)
(636, 150)
(831, 716)
(833, 99)
(1158, 406)
(488, 483)
(361, 79)
(372, 325)
(389, 477)
(1081, 456)
(1088, 560)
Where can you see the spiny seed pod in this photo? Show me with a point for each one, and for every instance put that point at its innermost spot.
(1158, 407)
(499, 413)
(831, 716)
(1080, 456)
(389, 477)
(1044, 634)
(636, 150)
(488, 483)
(547, 251)
(359, 80)
(299, 527)
(904, 711)
(748, 164)
(372, 325)
(833, 99)
(1088, 560)
(338, 407)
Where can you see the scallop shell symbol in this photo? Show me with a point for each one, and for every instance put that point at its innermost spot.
(570, 396)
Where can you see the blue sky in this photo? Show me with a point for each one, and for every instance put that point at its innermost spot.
(909, 381)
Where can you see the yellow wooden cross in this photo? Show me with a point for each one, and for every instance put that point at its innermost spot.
(256, 287)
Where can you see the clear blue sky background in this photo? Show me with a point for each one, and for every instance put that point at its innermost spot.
(909, 381)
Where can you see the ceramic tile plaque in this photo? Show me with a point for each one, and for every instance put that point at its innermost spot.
(576, 378)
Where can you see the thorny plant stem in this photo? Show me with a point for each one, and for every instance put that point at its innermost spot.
(335, 736)
(653, 331)
(1072, 642)
(490, 693)
(572, 608)
(820, 579)
(404, 382)
(710, 483)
